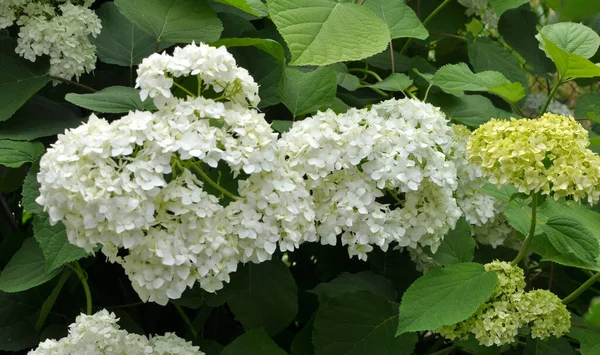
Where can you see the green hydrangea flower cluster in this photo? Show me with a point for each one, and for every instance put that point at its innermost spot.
(547, 154)
(498, 321)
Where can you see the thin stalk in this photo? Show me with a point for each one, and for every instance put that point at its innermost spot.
(550, 96)
(392, 57)
(187, 321)
(183, 89)
(366, 71)
(199, 79)
(529, 238)
(210, 181)
(581, 288)
(86, 288)
(51, 299)
(431, 15)
(74, 83)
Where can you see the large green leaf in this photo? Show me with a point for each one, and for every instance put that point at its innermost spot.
(15, 332)
(254, 342)
(401, 20)
(470, 110)
(31, 191)
(307, 92)
(362, 281)
(445, 296)
(179, 21)
(455, 79)
(573, 243)
(500, 6)
(265, 70)
(268, 297)
(19, 80)
(572, 38)
(264, 44)
(570, 65)
(113, 99)
(458, 245)
(253, 7)
(13, 154)
(486, 54)
(550, 346)
(121, 42)
(359, 323)
(26, 269)
(54, 243)
(321, 32)
(33, 121)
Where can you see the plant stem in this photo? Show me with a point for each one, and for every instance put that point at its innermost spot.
(74, 83)
(366, 71)
(183, 89)
(187, 321)
(83, 279)
(529, 238)
(51, 299)
(431, 15)
(550, 96)
(581, 288)
(210, 181)
(392, 57)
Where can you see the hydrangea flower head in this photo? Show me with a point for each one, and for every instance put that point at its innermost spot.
(511, 278)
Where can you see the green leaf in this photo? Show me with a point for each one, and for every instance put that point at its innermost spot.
(470, 110)
(550, 346)
(500, 6)
(19, 80)
(254, 342)
(572, 37)
(32, 121)
(569, 65)
(394, 82)
(401, 20)
(304, 93)
(321, 32)
(13, 154)
(344, 78)
(281, 126)
(486, 54)
(572, 242)
(31, 191)
(362, 281)
(18, 337)
(121, 42)
(574, 10)
(458, 246)
(455, 79)
(178, 21)
(592, 317)
(54, 243)
(587, 103)
(253, 7)
(589, 339)
(267, 45)
(113, 99)
(26, 269)
(268, 296)
(265, 70)
(359, 323)
(302, 344)
(445, 296)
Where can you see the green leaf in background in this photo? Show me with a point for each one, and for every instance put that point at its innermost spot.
(362, 281)
(121, 42)
(574, 10)
(264, 44)
(346, 80)
(455, 79)
(268, 296)
(500, 6)
(26, 269)
(572, 242)
(458, 245)
(54, 243)
(589, 339)
(569, 65)
(15, 332)
(254, 342)
(572, 38)
(394, 82)
(470, 110)
(307, 92)
(321, 32)
(550, 346)
(33, 121)
(265, 70)
(302, 344)
(13, 154)
(592, 317)
(253, 7)
(178, 21)
(113, 99)
(587, 103)
(401, 20)
(18, 336)
(31, 191)
(445, 296)
(359, 323)
(281, 126)
(486, 54)
(19, 80)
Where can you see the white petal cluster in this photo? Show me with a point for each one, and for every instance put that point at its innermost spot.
(535, 101)
(62, 33)
(8, 12)
(146, 188)
(100, 334)
(396, 149)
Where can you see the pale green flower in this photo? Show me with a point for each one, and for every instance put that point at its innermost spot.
(548, 314)
(511, 278)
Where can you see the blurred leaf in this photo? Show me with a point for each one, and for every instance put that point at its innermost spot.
(254, 7)
(13, 154)
(26, 269)
(114, 99)
(304, 93)
(254, 342)
(349, 283)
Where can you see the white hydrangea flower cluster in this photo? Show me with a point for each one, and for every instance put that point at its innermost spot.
(146, 187)
(61, 33)
(100, 334)
(397, 149)
(484, 10)
(535, 101)
(8, 12)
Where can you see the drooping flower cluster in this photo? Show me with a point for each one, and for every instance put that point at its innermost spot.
(535, 101)
(484, 10)
(499, 319)
(100, 334)
(548, 154)
(149, 184)
(62, 33)
(378, 175)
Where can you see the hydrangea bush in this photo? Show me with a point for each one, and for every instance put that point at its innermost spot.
(299, 177)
